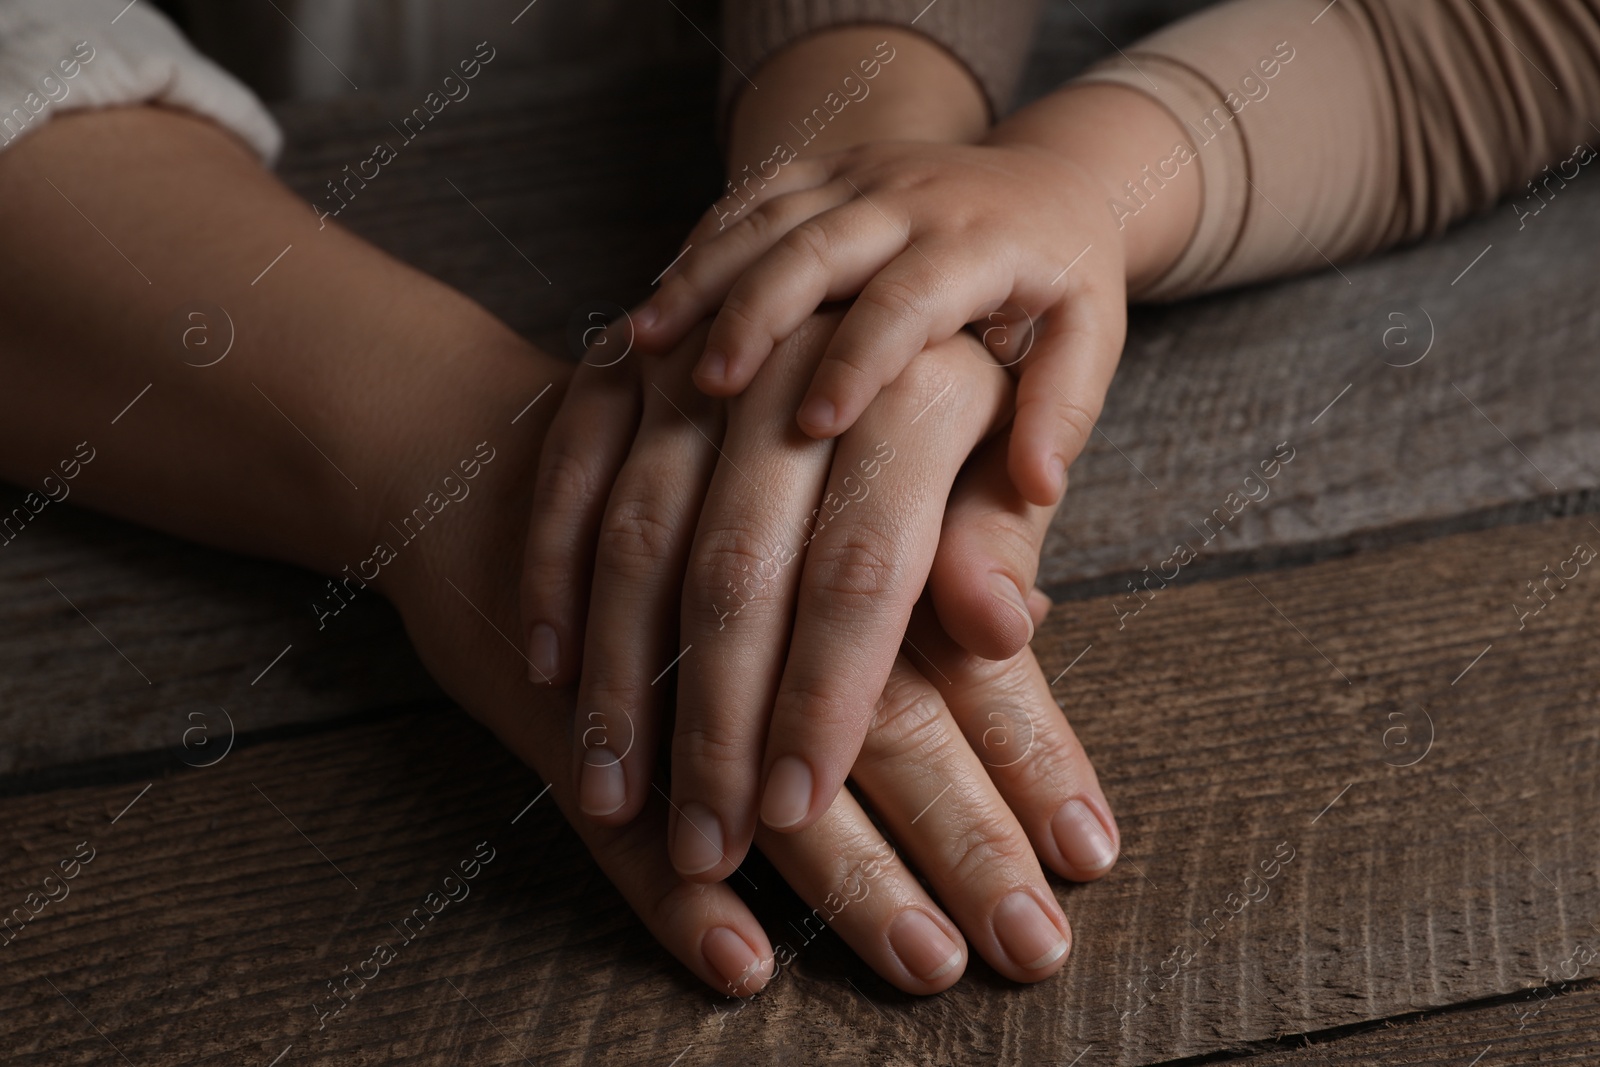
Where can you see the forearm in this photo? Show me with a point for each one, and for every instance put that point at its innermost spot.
(1116, 136)
(916, 91)
(1328, 132)
(350, 377)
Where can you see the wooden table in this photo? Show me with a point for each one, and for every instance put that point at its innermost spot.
(1341, 673)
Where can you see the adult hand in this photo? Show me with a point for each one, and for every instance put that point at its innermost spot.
(975, 779)
(786, 604)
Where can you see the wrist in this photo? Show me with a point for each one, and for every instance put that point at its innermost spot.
(849, 85)
(455, 442)
(1119, 139)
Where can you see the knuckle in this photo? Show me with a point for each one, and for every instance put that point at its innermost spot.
(811, 242)
(696, 745)
(725, 556)
(568, 478)
(821, 705)
(909, 720)
(1006, 537)
(855, 569)
(895, 297)
(983, 851)
(765, 223)
(739, 316)
(634, 535)
(1075, 422)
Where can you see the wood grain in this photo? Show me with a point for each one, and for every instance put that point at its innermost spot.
(113, 636)
(206, 922)
(1555, 1024)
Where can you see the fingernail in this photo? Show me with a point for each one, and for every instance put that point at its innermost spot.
(1026, 933)
(646, 316)
(733, 958)
(925, 949)
(713, 367)
(697, 844)
(1038, 603)
(788, 796)
(1006, 590)
(1058, 474)
(1080, 837)
(544, 653)
(818, 414)
(602, 787)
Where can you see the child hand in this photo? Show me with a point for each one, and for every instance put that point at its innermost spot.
(1014, 238)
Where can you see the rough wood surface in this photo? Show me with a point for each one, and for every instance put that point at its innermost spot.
(116, 639)
(206, 922)
(1553, 1024)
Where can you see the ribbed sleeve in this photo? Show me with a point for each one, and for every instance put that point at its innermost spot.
(1390, 120)
(61, 55)
(991, 37)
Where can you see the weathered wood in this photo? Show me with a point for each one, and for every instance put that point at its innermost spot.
(206, 923)
(1553, 1024)
(117, 639)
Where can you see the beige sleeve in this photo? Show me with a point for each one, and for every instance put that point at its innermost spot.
(991, 37)
(1327, 131)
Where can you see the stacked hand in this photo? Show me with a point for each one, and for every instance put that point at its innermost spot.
(798, 574)
(798, 565)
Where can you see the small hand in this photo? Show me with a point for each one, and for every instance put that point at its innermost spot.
(927, 238)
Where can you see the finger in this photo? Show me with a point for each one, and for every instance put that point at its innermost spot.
(1062, 388)
(828, 257)
(866, 565)
(925, 294)
(858, 886)
(753, 189)
(632, 631)
(583, 450)
(697, 284)
(1013, 724)
(706, 927)
(736, 615)
(988, 558)
(935, 798)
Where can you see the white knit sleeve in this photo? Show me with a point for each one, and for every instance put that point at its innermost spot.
(59, 55)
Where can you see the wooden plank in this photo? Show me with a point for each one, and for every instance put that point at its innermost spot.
(207, 923)
(1495, 424)
(1553, 1024)
(117, 639)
